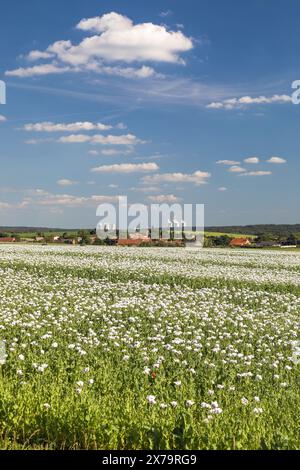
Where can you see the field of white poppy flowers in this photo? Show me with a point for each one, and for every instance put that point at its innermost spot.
(149, 348)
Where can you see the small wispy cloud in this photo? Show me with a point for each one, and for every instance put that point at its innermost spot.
(236, 169)
(197, 178)
(277, 160)
(4, 205)
(66, 182)
(252, 160)
(166, 13)
(63, 127)
(245, 101)
(37, 70)
(128, 139)
(53, 69)
(38, 141)
(54, 202)
(44, 198)
(257, 173)
(126, 168)
(161, 198)
(227, 162)
(111, 152)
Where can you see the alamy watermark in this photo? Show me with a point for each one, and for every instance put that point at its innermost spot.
(125, 221)
(2, 92)
(296, 93)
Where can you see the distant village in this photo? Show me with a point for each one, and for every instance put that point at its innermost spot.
(86, 237)
(91, 238)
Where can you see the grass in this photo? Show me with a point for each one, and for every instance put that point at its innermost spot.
(231, 235)
(149, 349)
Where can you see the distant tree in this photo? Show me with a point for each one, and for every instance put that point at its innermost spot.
(71, 236)
(221, 241)
(266, 237)
(85, 237)
(16, 236)
(282, 237)
(279, 230)
(291, 240)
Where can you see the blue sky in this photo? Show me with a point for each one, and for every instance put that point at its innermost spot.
(162, 101)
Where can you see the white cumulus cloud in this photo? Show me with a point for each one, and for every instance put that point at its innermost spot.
(111, 39)
(119, 39)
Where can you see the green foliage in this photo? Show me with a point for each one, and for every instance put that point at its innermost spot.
(85, 237)
(220, 241)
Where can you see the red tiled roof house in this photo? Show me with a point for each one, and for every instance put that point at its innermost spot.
(239, 242)
(7, 240)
